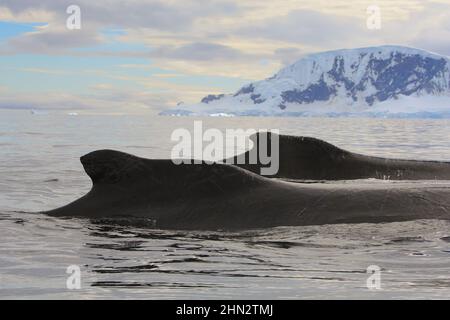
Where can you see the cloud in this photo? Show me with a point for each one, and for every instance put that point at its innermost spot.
(213, 30)
(155, 14)
(102, 86)
(158, 94)
(432, 27)
(305, 26)
(241, 40)
(109, 102)
(199, 51)
(25, 16)
(288, 55)
(52, 41)
(44, 71)
(244, 70)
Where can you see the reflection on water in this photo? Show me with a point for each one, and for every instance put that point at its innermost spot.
(119, 259)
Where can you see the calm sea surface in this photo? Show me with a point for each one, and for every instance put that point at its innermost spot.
(40, 170)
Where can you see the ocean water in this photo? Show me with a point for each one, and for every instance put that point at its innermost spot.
(40, 170)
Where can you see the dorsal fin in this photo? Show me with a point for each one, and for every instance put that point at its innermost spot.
(108, 166)
(112, 167)
(306, 158)
(301, 158)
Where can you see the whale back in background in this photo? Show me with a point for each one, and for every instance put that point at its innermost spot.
(305, 158)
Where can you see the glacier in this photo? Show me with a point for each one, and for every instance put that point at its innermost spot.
(383, 81)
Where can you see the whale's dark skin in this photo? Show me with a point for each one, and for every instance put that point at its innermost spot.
(305, 158)
(221, 196)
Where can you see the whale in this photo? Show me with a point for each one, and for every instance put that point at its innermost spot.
(220, 196)
(308, 158)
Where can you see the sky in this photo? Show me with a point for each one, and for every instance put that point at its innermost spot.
(131, 56)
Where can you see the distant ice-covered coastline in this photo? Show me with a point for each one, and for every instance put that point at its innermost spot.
(386, 81)
(403, 107)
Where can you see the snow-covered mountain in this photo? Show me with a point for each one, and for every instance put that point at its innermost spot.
(385, 80)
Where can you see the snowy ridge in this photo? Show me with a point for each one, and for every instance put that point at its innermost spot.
(390, 81)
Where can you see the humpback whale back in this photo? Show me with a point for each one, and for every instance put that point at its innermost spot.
(305, 158)
(109, 167)
(222, 196)
(181, 195)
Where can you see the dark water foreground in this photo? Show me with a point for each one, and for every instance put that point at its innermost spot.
(122, 261)
(40, 170)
